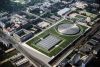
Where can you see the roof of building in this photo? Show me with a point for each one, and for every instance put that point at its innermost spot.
(75, 58)
(48, 42)
(68, 29)
(86, 48)
(63, 11)
(43, 24)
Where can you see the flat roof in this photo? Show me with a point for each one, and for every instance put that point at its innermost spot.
(62, 11)
(49, 42)
(20, 32)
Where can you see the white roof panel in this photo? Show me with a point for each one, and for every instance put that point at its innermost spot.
(62, 11)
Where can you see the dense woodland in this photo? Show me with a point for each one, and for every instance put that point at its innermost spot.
(4, 4)
(11, 6)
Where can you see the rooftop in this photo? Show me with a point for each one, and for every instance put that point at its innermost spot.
(63, 11)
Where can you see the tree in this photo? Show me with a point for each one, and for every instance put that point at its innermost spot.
(4, 4)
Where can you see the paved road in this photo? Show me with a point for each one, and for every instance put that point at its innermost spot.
(7, 40)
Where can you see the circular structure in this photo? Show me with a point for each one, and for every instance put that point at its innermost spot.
(68, 29)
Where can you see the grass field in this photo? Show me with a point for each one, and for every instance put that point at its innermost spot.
(65, 39)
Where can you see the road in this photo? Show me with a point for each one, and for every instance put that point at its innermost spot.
(7, 39)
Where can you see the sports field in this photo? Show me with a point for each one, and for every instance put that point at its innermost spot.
(63, 40)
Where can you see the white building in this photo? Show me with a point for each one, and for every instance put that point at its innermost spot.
(17, 19)
(43, 24)
(55, 1)
(21, 1)
(81, 5)
(63, 11)
(46, 4)
(2, 24)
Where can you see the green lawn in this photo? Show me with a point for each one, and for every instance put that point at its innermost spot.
(80, 16)
(90, 14)
(65, 40)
